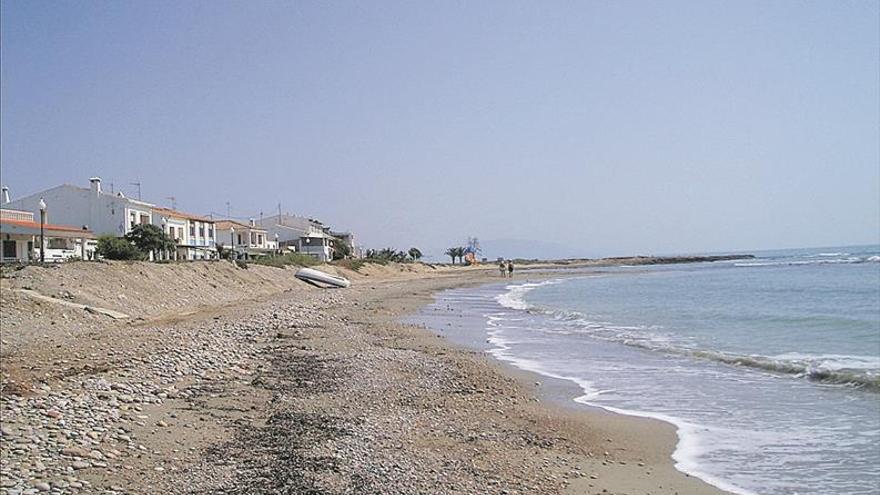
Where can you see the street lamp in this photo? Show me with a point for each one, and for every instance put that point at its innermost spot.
(232, 242)
(42, 231)
(277, 247)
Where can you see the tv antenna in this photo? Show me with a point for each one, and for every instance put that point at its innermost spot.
(138, 184)
(173, 202)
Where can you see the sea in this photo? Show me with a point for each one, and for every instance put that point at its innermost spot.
(769, 367)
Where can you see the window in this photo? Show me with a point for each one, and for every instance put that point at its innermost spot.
(132, 217)
(201, 230)
(192, 229)
(239, 238)
(210, 231)
(260, 239)
(145, 219)
(56, 243)
(9, 249)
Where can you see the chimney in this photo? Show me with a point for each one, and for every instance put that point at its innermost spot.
(5, 195)
(96, 184)
(253, 223)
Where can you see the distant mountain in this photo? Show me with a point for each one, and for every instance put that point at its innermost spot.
(528, 249)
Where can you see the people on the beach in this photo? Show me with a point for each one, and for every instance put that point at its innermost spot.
(510, 268)
(502, 267)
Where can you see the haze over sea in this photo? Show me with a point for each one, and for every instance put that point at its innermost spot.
(770, 368)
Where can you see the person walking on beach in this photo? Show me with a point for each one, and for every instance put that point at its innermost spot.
(510, 268)
(502, 267)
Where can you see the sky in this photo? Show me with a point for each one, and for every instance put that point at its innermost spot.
(583, 128)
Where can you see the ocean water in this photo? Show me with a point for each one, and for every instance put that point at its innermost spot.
(769, 368)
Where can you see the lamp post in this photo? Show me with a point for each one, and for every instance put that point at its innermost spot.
(42, 231)
(165, 231)
(277, 247)
(232, 242)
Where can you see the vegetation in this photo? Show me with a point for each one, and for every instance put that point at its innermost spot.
(415, 254)
(351, 263)
(341, 250)
(456, 252)
(116, 248)
(150, 239)
(386, 255)
(222, 252)
(286, 259)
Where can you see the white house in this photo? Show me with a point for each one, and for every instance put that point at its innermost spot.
(306, 235)
(89, 208)
(20, 235)
(194, 234)
(247, 239)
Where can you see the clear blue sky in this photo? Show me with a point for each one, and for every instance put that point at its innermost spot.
(608, 127)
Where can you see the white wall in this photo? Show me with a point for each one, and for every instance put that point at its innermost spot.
(104, 213)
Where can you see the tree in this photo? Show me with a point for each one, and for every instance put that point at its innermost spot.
(116, 248)
(341, 250)
(460, 252)
(415, 254)
(452, 253)
(149, 239)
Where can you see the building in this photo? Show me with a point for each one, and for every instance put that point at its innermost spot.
(317, 244)
(20, 237)
(88, 208)
(246, 239)
(193, 234)
(347, 238)
(305, 235)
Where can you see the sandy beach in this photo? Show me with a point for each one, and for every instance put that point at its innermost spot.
(228, 380)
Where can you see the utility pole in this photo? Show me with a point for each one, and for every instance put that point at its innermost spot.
(228, 215)
(173, 202)
(138, 184)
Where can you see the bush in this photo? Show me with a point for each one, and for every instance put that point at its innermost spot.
(116, 248)
(351, 264)
(287, 259)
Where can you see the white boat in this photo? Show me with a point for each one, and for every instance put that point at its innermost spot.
(316, 276)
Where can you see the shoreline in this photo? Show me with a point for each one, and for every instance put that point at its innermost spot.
(304, 390)
(568, 394)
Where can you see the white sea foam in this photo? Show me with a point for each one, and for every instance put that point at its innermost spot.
(821, 261)
(689, 446)
(514, 298)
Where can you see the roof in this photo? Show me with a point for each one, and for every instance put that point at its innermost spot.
(48, 227)
(179, 214)
(226, 224)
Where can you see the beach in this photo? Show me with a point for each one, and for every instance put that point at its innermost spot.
(272, 386)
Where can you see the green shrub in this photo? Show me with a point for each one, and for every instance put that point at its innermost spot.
(116, 248)
(287, 259)
(351, 264)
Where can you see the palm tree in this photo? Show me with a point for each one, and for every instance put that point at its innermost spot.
(460, 252)
(452, 253)
(415, 254)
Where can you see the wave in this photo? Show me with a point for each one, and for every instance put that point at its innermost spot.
(687, 450)
(857, 371)
(514, 298)
(848, 260)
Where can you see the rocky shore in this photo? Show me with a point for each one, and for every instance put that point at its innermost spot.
(299, 391)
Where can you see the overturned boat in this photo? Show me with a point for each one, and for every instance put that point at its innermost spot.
(319, 278)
